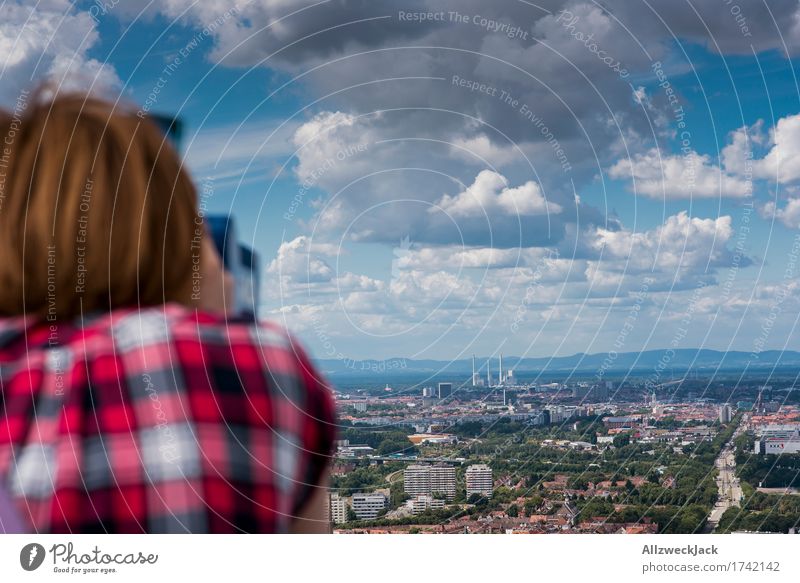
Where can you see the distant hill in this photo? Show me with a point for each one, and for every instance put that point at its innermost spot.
(678, 360)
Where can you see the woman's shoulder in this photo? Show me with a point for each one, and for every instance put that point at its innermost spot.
(174, 322)
(199, 339)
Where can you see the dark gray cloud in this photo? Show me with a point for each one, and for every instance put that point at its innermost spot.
(547, 86)
(543, 60)
(735, 27)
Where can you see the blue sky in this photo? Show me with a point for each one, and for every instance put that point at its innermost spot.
(400, 213)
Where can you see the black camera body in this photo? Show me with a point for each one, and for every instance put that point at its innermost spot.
(237, 259)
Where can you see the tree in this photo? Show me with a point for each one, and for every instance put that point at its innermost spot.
(513, 511)
(397, 495)
(577, 483)
(503, 494)
(469, 429)
(532, 504)
(474, 498)
(621, 440)
(395, 444)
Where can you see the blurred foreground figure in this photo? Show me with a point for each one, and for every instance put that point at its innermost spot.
(128, 401)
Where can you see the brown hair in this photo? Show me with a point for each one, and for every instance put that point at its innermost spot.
(96, 211)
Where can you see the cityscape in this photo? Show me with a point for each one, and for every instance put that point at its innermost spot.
(499, 453)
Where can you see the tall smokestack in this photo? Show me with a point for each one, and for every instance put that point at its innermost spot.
(501, 369)
(474, 379)
(488, 372)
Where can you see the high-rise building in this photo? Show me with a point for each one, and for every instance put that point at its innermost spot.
(725, 413)
(445, 390)
(479, 480)
(475, 379)
(599, 393)
(427, 392)
(590, 394)
(580, 392)
(367, 506)
(545, 416)
(417, 480)
(443, 481)
(557, 413)
(338, 506)
(427, 480)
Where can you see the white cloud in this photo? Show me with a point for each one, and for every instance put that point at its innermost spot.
(301, 265)
(640, 96)
(295, 260)
(670, 176)
(682, 242)
(451, 257)
(331, 147)
(737, 156)
(789, 215)
(463, 289)
(49, 41)
(481, 150)
(781, 161)
(490, 194)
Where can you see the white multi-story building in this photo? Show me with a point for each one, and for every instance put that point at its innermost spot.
(417, 480)
(777, 439)
(781, 446)
(787, 431)
(422, 480)
(355, 451)
(338, 506)
(443, 480)
(367, 506)
(479, 480)
(725, 413)
(419, 504)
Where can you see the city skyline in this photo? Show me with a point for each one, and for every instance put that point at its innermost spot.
(626, 456)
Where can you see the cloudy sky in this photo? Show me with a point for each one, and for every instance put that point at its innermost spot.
(436, 178)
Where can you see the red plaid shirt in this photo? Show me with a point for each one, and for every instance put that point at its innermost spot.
(159, 420)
